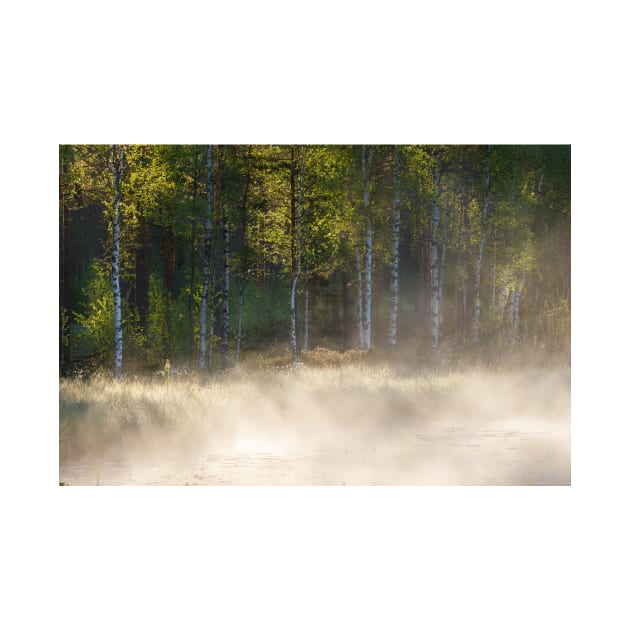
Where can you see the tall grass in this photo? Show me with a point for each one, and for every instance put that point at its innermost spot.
(359, 401)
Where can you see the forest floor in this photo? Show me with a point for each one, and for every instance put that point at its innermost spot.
(350, 425)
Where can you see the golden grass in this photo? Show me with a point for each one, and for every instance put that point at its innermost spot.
(286, 410)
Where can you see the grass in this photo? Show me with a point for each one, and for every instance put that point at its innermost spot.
(320, 397)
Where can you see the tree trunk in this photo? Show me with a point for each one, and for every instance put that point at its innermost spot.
(212, 308)
(515, 314)
(169, 279)
(482, 240)
(367, 311)
(207, 255)
(464, 307)
(360, 299)
(239, 328)
(347, 314)
(142, 269)
(117, 167)
(225, 302)
(493, 302)
(191, 292)
(293, 214)
(435, 219)
(441, 274)
(393, 315)
(65, 312)
(503, 297)
(296, 275)
(306, 306)
(510, 316)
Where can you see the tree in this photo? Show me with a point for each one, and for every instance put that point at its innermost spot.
(116, 165)
(207, 255)
(417, 235)
(393, 317)
(435, 222)
(482, 240)
(296, 273)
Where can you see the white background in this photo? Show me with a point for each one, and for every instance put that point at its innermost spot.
(295, 558)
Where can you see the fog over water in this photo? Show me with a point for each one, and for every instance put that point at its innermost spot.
(355, 425)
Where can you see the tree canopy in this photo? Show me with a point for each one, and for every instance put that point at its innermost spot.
(477, 239)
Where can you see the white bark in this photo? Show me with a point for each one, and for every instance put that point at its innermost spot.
(212, 302)
(393, 315)
(482, 240)
(367, 313)
(517, 301)
(360, 299)
(225, 302)
(441, 274)
(503, 297)
(116, 166)
(464, 305)
(294, 351)
(511, 308)
(206, 262)
(494, 282)
(435, 219)
(306, 306)
(239, 329)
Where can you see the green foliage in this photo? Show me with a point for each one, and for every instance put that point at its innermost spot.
(163, 211)
(160, 312)
(93, 331)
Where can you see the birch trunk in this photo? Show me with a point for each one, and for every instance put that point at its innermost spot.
(116, 167)
(517, 301)
(441, 274)
(296, 275)
(360, 299)
(494, 283)
(206, 261)
(482, 240)
(225, 302)
(239, 328)
(367, 313)
(393, 315)
(511, 310)
(212, 303)
(191, 301)
(503, 297)
(306, 306)
(435, 219)
(64, 348)
(464, 307)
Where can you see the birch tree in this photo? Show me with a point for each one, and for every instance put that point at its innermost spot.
(441, 272)
(225, 301)
(366, 162)
(393, 315)
(482, 240)
(296, 274)
(116, 165)
(242, 283)
(435, 220)
(515, 308)
(360, 298)
(306, 305)
(207, 254)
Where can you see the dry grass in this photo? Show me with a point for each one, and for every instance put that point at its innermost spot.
(324, 420)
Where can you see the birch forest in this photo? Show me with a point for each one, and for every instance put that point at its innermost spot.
(215, 257)
(314, 315)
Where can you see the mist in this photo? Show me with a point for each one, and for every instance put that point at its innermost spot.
(359, 424)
